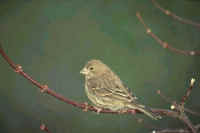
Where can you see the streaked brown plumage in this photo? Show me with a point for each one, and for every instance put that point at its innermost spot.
(104, 88)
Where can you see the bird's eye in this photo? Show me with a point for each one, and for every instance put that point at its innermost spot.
(91, 68)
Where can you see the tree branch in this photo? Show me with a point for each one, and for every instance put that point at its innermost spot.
(169, 101)
(165, 44)
(174, 16)
(197, 127)
(188, 92)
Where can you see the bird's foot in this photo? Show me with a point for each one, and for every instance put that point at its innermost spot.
(85, 109)
(122, 111)
(98, 110)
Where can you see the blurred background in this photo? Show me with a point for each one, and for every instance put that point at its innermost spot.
(52, 40)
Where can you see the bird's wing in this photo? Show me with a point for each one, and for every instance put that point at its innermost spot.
(107, 93)
(114, 84)
(112, 88)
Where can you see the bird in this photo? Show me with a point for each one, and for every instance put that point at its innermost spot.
(106, 91)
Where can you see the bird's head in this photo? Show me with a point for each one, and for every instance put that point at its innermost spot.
(94, 68)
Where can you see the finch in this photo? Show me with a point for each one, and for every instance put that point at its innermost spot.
(105, 89)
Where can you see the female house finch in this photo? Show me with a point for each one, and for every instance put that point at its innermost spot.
(104, 88)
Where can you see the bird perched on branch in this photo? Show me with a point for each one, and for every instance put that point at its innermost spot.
(104, 89)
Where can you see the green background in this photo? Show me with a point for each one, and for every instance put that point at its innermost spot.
(53, 39)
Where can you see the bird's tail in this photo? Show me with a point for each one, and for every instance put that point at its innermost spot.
(147, 111)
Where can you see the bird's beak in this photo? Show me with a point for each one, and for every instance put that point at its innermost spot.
(84, 71)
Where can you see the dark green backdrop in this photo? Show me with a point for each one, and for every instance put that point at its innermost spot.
(53, 39)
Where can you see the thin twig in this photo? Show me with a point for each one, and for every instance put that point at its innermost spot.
(180, 107)
(168, 100)
(173, 103)
(174, 114)
(191, 112)
(165, 44)
(188, 92)
(197, 127)
(165, 98)
(174, 16)
(185, 119)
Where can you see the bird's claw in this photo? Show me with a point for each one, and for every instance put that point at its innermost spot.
(98, 110)
(85, 109)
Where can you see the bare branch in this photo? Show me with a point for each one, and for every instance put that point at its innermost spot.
(181, 116)
(167, 99)
(173, 103)
(192, 112)
(165, 44)
(185, 97)
(197, 127)
(180, 108)
(174, 16)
